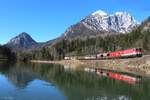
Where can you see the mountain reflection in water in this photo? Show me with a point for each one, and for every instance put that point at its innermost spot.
(54, 82)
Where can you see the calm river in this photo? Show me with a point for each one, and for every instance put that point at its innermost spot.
(55, 82)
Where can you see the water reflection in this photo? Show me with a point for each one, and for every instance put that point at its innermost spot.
(126, 77)
(54, 82)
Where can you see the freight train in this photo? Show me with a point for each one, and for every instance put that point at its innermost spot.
(134, 52)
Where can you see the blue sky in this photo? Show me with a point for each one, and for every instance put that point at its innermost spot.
(47, 19)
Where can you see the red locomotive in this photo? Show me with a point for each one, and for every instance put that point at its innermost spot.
(134, 52)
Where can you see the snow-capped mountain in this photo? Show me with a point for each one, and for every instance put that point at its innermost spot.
(22, 41)
(100, 22)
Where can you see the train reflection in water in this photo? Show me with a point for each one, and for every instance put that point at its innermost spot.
(131, 79)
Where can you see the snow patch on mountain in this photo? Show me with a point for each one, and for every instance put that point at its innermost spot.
(99, 13)
(121, 22)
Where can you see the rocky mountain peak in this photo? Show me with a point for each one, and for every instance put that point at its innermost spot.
(99, 13)
(23, 40)
(101, 22)
(24, 34)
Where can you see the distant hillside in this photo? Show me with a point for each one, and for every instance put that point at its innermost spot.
(22, 42)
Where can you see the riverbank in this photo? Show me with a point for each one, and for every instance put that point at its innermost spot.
(140, 66)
